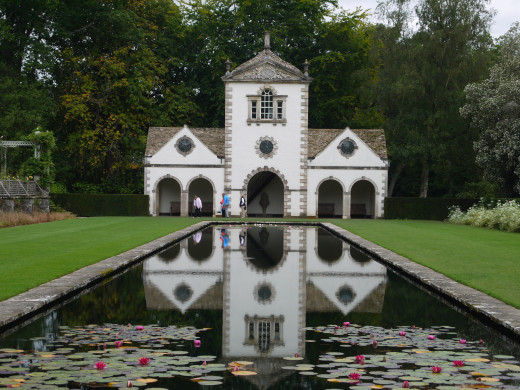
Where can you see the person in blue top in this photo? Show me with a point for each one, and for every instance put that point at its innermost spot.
(225, 205)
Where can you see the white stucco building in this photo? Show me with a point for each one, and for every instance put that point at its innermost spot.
(267, 152)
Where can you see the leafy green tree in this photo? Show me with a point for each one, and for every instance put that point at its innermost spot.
(493, 106)
(111, 83)
(421, 87)
(25, 95)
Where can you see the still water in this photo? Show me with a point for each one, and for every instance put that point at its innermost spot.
(259, 290)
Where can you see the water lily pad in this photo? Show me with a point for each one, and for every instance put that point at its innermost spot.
(244, 373)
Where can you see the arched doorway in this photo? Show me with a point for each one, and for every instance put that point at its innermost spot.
(204, 190)
(265, 195)
(169, 197)
(362, 200)
(330, 199)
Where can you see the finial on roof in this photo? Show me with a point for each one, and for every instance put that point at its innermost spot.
(228, 65)
(267, 40)
(306, 68)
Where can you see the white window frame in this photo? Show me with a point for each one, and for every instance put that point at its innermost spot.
(270, 110)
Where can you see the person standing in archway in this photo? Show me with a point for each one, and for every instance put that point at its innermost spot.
(242, 206)
(225, 205)
(197, 205)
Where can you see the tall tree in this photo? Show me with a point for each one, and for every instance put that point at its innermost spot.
(25, 58)
(111, 80)
(421, 87)
(493, 106)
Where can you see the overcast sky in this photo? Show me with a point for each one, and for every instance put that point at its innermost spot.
(508, 12)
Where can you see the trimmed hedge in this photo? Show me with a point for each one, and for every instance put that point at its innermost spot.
(424, 208)
(96, 205)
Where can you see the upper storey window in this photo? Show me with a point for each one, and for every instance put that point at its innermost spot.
(266, 104)
(267, 107)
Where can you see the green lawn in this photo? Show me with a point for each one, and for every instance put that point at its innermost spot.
(487, 260)
(34, 254)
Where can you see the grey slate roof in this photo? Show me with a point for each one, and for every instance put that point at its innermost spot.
(319, 139)
(213, 138)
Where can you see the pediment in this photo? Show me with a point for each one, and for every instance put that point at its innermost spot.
(265, 67)
(267, 72)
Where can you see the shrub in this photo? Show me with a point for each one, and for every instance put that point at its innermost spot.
(17, 218)
(93, 205)
(505, 215)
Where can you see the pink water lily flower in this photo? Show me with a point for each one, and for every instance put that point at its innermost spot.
(139, 327)
(346, 324)
(354, 375)
(196, 343)
(375, 343)
(402, 333)
(144, 361)
(100, 365)
(458, 363)
(436, 369)
(360, 359)
(129, 384)
(118, 344)
(431, 337)
(406, 384)
(462, 341)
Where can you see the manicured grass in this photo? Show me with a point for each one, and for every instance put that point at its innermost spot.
(34, 254)
(487, 260)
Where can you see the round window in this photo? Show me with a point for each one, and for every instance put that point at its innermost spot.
(347, 147)
(266, 146)
(184, 145)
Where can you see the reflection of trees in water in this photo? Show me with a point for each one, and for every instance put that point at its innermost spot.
(330, 248)
(120, 300)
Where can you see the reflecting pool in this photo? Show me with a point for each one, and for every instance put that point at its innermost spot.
(292, 306)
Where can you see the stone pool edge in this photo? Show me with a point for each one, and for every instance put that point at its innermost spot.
(22, 308)
(500, 315)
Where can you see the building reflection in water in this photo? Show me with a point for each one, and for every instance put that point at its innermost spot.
(264, 279)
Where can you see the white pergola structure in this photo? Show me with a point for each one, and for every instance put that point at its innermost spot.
(15, 144)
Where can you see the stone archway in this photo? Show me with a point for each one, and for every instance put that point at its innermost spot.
(363, 200)
(168, 196)
(330, 199)
(205, 190)
(266, 191)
